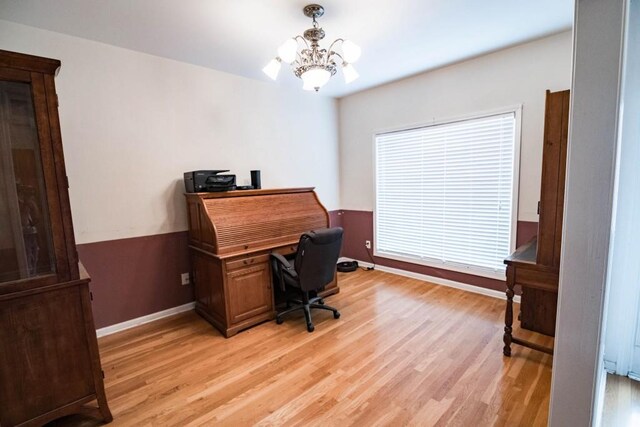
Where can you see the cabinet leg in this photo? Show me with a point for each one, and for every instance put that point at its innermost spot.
(103, 407)
(508, 316)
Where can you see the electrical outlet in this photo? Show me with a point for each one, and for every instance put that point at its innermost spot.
(184, 278)
(367, 244)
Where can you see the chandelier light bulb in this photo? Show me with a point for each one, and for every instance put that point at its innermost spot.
(287, 51)
(312, 62)
(350, 73)
(315, 78)
(350, 51)
(272, 68)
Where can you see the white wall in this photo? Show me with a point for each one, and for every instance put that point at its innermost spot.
(620, 352)
(132, 123)
(577, 386)
(519, 75)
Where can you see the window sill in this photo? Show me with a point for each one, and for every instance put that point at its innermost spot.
(501, 275)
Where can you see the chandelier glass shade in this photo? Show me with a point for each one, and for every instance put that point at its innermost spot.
(309, 61)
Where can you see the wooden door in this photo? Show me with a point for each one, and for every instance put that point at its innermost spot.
(249, 291)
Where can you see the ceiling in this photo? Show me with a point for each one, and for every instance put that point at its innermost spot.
(398, 38)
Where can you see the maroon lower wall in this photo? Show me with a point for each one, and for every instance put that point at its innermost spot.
(141, 275)
(358, 227)
(135, 277)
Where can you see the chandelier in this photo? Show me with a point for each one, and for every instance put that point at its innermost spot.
(309, 62)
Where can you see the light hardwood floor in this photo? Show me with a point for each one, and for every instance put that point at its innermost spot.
(621, 403)
(404, 352)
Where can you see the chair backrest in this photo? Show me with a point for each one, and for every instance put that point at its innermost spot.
(318, 253)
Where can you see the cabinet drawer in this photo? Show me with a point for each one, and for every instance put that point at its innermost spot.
(246, 261)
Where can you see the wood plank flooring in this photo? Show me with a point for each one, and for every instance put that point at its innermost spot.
(621, 402)
(404, 352)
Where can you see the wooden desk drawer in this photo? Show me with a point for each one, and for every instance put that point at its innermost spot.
(545, 280)
(286, 250)
(246, 261)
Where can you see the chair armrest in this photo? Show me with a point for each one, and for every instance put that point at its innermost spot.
(283, 266)
(284, 263)
(282, 260)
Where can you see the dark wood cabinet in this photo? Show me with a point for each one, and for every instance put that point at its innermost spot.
(49, 361)
(535, 266)
(231, 236)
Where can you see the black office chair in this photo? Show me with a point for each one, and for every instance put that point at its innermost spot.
(314, 267)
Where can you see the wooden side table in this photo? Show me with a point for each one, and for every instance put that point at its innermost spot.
(522, 270)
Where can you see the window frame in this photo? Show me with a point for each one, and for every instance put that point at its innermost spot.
(515, 192)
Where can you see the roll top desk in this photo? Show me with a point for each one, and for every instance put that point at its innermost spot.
(231, 235)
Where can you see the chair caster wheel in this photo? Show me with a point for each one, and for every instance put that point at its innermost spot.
(310, 328)
(336, 314)
(279, 321)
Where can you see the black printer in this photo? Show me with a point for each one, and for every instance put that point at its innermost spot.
(208, 181)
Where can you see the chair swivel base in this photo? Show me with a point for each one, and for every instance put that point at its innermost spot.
(316, 302)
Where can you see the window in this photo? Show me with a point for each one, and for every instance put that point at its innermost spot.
(445, 193)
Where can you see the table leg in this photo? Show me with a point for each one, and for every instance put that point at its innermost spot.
(508, 315)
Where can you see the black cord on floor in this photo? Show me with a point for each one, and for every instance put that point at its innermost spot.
(373, 267)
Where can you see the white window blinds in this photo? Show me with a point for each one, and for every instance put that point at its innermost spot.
(444, 194)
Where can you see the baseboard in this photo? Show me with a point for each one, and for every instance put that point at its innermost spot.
(426, 278)
(144, 319)
(610, 366)
(634, 376)
(437, 280)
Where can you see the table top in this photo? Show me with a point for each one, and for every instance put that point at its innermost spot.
(524, 254)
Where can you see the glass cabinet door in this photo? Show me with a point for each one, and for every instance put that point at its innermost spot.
(26, 248)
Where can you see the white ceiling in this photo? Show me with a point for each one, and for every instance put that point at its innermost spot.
(398, 38)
